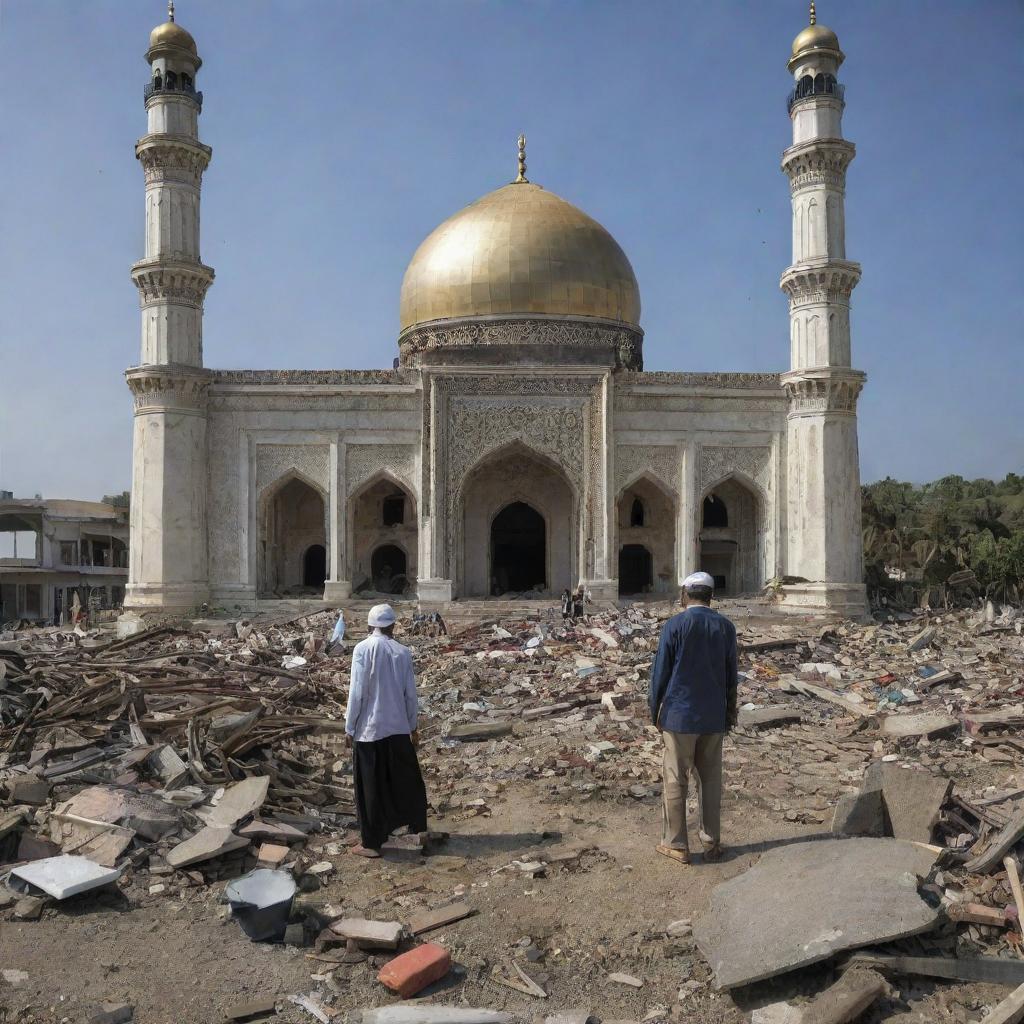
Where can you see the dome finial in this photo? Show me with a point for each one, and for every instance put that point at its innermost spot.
(522, 179)
(170, 10)
(814, 16)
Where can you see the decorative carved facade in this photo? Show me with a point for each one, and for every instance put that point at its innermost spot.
(364, 461)
(659, 461)
(718, 462)
(276, 461)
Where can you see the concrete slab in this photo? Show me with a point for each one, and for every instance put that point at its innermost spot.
(206, 844)
(918, 725)
(65, 876)
(912, 798)
(238, 802)
(803, 903)
(860, 814)
(772, 714)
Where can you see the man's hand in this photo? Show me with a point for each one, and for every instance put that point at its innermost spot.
(732, 717)
(348, 742)
(415, 737)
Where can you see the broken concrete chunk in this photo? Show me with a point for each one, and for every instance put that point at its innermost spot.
(369, 934)
(238, 802)
(207, 843)
(165, 763)
(773, 714)
(433, 1015)
(626, 979)
(860, 814)
(803, 903)
(29, 789)
(113, 1013)
(913, 799)
(251, 1010)
(65, 876)
(918, 725)
(479, 731)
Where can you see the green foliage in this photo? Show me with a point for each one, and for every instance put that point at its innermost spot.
(920, 536)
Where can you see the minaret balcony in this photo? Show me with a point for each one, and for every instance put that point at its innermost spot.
(820, 85)
(152, 89)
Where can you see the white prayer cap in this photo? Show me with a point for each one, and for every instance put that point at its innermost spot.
(381, 616)
(698, 579)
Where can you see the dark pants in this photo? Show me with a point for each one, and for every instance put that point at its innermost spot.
(389, 789)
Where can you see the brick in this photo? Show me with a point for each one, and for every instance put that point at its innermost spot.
(369, 934)
(273, 854)
(414, 971)
(976, 913)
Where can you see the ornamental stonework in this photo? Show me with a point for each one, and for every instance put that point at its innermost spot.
(820, 162)
(661, 461)
(273, 461)
(718, 462)
(158, 390)
(178, 282)
(364, 461)
(814, 395)
(746, 381)
(317, 377)
(167, 158)
(833, 282)
(520, 331)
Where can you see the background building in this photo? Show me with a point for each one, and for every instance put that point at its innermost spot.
(51, 550)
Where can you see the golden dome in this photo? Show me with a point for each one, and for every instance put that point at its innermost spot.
(815, 37)
(519, 250)
(170, 33)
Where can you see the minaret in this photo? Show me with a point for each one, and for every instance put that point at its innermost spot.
(823, 474)
(168, 563)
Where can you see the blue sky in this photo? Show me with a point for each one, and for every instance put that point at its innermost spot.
(342, 133)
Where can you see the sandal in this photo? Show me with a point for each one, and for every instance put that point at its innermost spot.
(364, 851)
(681, 856)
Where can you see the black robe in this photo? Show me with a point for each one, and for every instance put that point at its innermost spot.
(389, 789)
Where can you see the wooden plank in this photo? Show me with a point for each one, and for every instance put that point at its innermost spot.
(991, 969)
(999, 847)
(1009, 1011)
(1010, 863)
(846, 1000)
(428, 920)
(822, 693)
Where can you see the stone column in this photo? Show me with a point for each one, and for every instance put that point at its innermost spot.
(822, 468)
(168, 568)
(337, 586)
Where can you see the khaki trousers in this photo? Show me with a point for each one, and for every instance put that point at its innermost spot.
(702, 754)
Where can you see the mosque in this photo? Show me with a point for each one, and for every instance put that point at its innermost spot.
(518, 446)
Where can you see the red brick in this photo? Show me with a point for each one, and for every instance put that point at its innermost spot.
(414, 971)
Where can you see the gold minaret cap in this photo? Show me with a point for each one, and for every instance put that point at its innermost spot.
(521, 178)
(815, 37)
(170, 11)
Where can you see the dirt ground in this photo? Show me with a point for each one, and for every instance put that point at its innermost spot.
(183, 961)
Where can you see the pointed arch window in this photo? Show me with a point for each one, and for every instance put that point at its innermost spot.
(636, 513)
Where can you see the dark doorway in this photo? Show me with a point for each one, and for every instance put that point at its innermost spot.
(393, 510)
(715, 512)
(314, 566)
(518, 550)
(635, 569)
(388, 569)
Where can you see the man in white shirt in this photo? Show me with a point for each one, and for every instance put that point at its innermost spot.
(381, 722)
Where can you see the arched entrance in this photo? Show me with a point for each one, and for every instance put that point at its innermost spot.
(635, 570)
(293, 539)
(383, 537)
(518, 550)
(646, 524)
(388, 569)
(314, 566)
(518, 526)
(731, 541)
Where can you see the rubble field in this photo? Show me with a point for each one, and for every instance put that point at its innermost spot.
(873, 816)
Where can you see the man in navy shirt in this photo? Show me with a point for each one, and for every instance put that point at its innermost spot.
(693, 704)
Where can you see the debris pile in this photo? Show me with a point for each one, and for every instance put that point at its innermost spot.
(212, 761)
